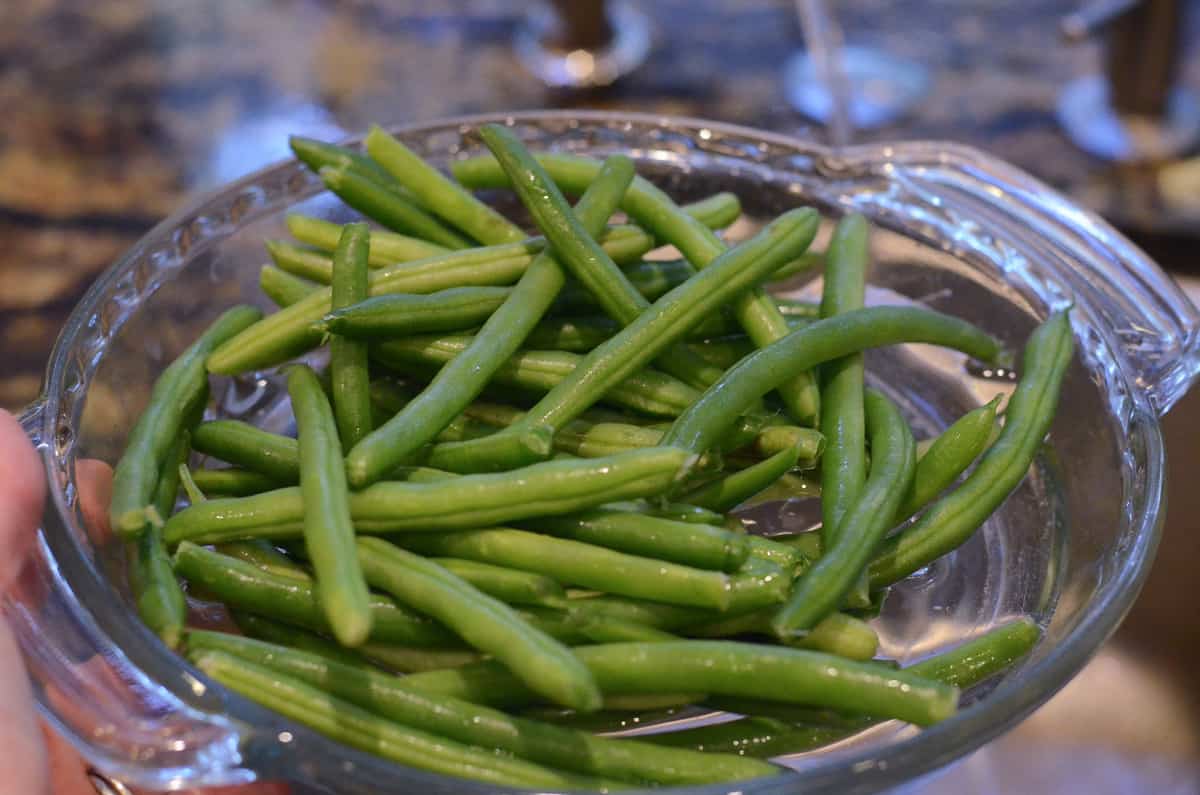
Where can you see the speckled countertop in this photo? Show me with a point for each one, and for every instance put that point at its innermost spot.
(114, 112)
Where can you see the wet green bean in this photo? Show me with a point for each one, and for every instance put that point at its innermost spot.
(541, 663)
(576, 563)
(460, 380)
(825, 340)
(700, 545)
(182, 386)
(389, 207)
(820, 590)
(243, 586)
(952, 520)
(349, 375)
(545, 489)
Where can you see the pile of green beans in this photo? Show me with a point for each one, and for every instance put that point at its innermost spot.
(511, 499)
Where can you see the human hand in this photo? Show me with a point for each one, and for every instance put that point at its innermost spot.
(31, 755)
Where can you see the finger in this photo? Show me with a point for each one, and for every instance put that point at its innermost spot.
(94, 481)
(68, 775)
(22, 494)
(22, 754)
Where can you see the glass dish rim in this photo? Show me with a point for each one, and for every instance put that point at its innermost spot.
(1010, 701)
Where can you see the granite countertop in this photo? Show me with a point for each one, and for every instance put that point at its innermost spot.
(115, 112)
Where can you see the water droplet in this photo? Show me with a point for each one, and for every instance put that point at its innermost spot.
(990, 372)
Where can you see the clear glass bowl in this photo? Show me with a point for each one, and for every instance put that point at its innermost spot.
(957, 231)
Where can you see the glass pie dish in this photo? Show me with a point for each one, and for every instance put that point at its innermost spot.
(956, 231)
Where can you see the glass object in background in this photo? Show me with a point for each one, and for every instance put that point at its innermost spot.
(1135, 111)
(582, 43)
(847, 87)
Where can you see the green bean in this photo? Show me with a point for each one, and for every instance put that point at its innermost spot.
(608, 630)
(717, 211)
(675, 511)
(243, 586)
(837, 633)
(820, 590)
(156, 593)
(577, 563)
(385, 316)
(504, 584)
(722, 328)
(725, 352)
(360, 729)
(460, 308)
(182, 387)
(231, 482)
(408, 660)
(776, 438)
(749, 737)
(265, 557)
(268, 631)
(700, 545)
(648, 391)
(507, 584)
(964, 666)
(390, 697)
(308, 264)
(952, 520)
(389, 207)
(657, 615)
(243, 444)
(294, 330)
(842, 421)
(544, 489)
(240, 443)
(575, 334)
(825, 340)
(386, 248)
(624, 244)
(728, 492)
(283, 288)
(328, 528)
(758, 583)
(580, 437)
(440, 195)
(620, 712)
(278, 457)
(975, 660)
(540, 662)
(403, 659)
(772, 551)
(651, 279)
(193, 492)
(948, 456)
(729, 668)
(535, 443)
(579, 253)
(653, 331)
(655, 211)
(807, 545)
(319, 154)
(349, 375)
(461, 380)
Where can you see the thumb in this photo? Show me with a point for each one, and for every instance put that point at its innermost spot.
(22, 494)
(22, 491)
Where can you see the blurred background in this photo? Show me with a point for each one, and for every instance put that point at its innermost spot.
(114, 112)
